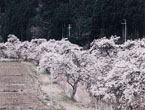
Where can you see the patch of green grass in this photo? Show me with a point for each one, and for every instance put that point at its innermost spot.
(47, 98)
(10, 91)
(66, 99)
(4, 108)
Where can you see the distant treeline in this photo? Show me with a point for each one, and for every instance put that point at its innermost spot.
(86, 19)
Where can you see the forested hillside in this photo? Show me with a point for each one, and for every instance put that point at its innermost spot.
(86, 19)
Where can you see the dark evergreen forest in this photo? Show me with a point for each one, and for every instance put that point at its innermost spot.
(86, 19)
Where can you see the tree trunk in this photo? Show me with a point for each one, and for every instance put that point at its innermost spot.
(74, 91)
(74, 86)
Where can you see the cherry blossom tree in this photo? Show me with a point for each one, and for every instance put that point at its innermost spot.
(9, 48)
(112, 73)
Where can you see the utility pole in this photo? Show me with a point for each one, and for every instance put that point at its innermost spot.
(51, 98)
(124, 33)
(69, 29)
(62, 31)
(51, 86)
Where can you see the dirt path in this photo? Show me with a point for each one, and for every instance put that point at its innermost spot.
(19, 88)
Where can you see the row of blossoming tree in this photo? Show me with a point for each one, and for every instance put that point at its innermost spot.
(112, 73)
